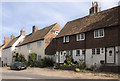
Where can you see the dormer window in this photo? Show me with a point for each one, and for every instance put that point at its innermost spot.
(65, 39)
(80, 36)
(99, 33)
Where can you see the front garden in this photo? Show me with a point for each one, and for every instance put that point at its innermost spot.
(32, 61)
(69, 63)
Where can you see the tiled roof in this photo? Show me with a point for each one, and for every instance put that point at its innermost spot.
(102, 19)
(11, 42)
(38, 35)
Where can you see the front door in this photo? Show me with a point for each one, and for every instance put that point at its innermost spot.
(110, 55)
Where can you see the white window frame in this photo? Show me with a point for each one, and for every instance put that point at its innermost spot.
(93, 51)
(97, 33)
(39, 44)
(66, 39)
(98, 51)
(79, 36)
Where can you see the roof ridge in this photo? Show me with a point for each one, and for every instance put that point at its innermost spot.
(94, 14)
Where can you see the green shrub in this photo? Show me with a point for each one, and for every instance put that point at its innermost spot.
(47, 62)
(68, 60)
(32, 61)
(65, 64)
(82, 65)
(19, 57)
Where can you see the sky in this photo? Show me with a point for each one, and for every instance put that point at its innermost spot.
(14, 15)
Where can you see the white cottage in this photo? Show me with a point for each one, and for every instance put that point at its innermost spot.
(9, 50)
(38, 40)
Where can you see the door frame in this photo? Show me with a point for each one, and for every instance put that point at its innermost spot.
(106, 55)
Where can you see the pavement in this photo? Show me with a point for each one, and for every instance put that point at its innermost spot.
(48, 73)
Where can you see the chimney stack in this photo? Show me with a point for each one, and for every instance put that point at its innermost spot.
(6, 40)
(95, 8)
(34, 29)
(119, 3)
(22, 32)
(12, 36)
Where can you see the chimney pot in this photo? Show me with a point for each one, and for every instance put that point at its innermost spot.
(34, 29)
(12, 36)
(95, 8)
(6, 40)
(22, 32)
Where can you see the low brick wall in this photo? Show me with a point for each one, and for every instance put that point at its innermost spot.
(114, 69)
(64, 67)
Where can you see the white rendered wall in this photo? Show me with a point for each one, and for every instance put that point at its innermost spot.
(92, 59)
(33, 49)
(75, 58)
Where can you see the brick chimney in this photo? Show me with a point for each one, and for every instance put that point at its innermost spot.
(119, 3)
(34, 29)
(6, 40)
(12, 36)
(22, 32)
(94, 9)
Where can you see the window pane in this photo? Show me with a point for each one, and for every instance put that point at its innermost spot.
(77, 52)
(101, 32)
(67, 39)
(96, 34)
(110, 53)
(78, 36)
(82, 36)
(83, 52)
(93, 51)
(98, 51)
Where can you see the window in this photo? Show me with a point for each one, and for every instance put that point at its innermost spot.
(67, 52)
(81, 36)
(18, 48)
(71, 52)
(66, 39)
(39, 58)
(93, 51)
(83, 52)
(99, 33)
(77, 52)
(39, 44)
(110, 53)
(28, 46)
(102, 50)
(98, 50)
(56, 32)
(60, 53)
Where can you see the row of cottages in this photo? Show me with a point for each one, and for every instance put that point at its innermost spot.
(35, 42)
(94, 38)
(10, 48)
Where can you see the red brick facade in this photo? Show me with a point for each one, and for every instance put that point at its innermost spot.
(51, 34)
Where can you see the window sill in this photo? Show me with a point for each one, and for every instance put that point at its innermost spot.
(79, 40)
(65, 42)
(98, 37)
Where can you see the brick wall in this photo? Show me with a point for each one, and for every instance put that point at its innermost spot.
(51, 34)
